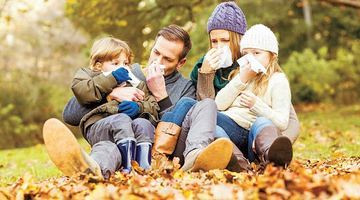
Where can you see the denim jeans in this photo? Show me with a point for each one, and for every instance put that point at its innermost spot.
(179, 111)
(257, 126)
(220, 133)
(237, 134)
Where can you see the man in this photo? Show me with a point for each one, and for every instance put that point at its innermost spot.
(171, 46)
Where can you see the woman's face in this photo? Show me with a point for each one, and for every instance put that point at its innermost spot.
(260, 55)
(219, 38)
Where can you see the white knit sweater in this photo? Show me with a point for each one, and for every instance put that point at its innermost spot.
(274, 104)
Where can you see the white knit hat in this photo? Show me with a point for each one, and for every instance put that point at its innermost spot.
(260, 37)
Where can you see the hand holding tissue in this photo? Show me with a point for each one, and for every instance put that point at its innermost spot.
(219, 57)
(255, 65)
(153, 65)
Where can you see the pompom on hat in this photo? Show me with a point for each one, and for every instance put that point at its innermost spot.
(261, 37)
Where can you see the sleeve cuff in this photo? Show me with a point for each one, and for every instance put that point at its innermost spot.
(210, 72)
(259, 107)
(165, 103)
(141, 106)
(237, 83)
(107, 82)
(205, 85)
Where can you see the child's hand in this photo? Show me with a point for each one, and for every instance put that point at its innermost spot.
(121, 75)
(247, 99)
(129, 108)
(121, 94)
(246, 73)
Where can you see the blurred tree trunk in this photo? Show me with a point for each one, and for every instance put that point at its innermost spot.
(3, 6)
(307, 19)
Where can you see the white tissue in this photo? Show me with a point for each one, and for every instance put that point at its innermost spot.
(162, 67)
(226, 57)
(134, 81)
(106, 73)
(255, 65)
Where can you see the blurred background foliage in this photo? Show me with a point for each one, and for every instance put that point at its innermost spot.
(42, 42)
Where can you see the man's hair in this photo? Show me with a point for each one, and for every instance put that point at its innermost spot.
(176, 33)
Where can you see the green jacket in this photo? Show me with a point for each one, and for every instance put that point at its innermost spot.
(92, 87)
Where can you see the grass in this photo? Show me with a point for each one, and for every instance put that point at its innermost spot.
(14, 163)
(327, 131)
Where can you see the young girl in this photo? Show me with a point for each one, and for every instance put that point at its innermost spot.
(261, 97)
(108, 128)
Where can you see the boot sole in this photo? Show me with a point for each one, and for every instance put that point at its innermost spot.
(215, 156)
(64, 150)
(280, 152)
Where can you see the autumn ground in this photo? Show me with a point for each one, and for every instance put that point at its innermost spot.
(326, 165)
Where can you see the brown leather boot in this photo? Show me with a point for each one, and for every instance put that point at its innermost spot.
(270, 146)
(166, 136)
(238, 162)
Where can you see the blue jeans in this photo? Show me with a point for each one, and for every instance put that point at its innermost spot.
(237, 134)
(220, 133)
(259, 124)
(179, 111)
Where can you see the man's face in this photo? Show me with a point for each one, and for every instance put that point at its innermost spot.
(167, 53)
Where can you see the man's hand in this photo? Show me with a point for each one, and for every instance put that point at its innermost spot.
(126, 94)
(156, 82)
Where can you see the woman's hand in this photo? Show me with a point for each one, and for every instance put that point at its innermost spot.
(211, 61)
(246, 73)
(247, 99)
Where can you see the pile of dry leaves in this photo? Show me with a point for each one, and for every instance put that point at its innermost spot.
(338, 178)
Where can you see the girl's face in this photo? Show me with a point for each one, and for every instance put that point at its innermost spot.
(219, 38)
(114, 64)
(262, 56)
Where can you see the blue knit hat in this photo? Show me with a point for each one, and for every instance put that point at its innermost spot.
(227, 16)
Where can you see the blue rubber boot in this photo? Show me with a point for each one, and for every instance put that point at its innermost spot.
(127, 149)
(143, 154)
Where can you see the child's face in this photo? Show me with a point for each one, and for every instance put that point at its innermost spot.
(260, 55)
(115, 63)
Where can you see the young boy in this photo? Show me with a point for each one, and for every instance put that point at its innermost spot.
(111, 120)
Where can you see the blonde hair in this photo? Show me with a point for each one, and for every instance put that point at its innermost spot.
(261, 80)
(107, 49)
(234, 39)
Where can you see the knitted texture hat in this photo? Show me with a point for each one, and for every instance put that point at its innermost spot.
(227, 16)
(260, 37)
